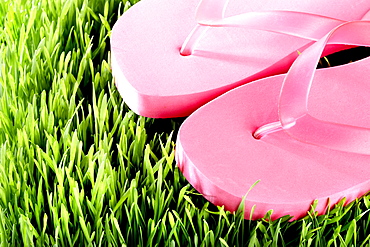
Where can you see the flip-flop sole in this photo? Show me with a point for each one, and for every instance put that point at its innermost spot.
(219, 156)
(156, 81)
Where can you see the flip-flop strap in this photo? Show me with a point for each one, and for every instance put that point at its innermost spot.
(210, 13)
(293, 111)
(301, 24)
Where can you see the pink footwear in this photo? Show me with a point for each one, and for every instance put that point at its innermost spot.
(301, 140)
(157, 81)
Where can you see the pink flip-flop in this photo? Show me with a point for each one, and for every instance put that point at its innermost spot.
(156, 80)
(301, 140)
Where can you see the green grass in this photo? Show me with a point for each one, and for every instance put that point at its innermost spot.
(78, 168)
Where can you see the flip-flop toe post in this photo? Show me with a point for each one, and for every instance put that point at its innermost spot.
(304, 136)
(170, 57)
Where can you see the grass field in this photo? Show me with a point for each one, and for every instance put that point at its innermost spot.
(77, 168)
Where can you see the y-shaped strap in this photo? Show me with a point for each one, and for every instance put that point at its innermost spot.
(210, 13)
(293, 112)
